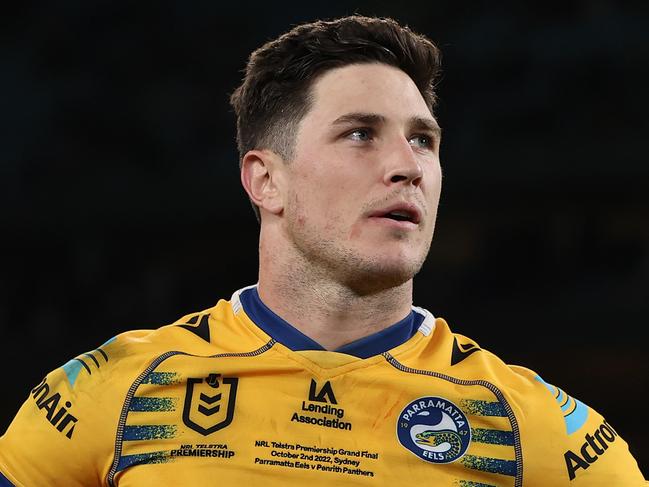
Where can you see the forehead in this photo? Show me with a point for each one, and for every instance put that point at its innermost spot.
(375, 88)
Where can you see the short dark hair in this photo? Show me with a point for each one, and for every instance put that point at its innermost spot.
(275, 92)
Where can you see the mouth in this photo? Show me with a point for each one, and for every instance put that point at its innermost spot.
(400, 212)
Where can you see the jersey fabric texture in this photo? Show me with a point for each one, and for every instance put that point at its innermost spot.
(235, 394)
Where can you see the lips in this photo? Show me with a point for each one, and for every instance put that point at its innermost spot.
(402, 212)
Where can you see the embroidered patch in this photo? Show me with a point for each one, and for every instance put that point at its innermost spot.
(434, 429)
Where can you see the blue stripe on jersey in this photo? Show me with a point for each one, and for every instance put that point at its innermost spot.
(150, 432)
(483, 408)
(4, 481)
(291, 337)
(577, 418)
(162, 378)
(570, 403)
(492, 437)
(153, 404)
(574, 419)
(109, 341)
(468, 483)
(72, 369)
(143, 458)
(491, 465)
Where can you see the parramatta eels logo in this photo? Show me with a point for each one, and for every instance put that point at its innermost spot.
(434, 429)
(209, 403)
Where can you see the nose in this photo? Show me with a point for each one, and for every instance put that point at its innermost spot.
(402, 165)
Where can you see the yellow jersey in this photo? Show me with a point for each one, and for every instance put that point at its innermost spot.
(233, 394)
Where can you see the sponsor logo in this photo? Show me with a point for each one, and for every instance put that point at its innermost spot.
(461, 351)
(214, 450)
(209, 403)
(202, 330)
(326, 394)
(59, 417)
(325, 397)
(434, 429)
(594, 446)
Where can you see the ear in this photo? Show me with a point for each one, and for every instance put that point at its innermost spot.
(261, 175)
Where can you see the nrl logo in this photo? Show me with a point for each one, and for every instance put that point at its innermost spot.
(209, 403)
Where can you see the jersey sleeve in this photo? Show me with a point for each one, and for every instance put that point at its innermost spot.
(582, 449)
(64, 433)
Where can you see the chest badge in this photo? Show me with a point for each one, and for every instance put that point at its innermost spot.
(209, 403)
(434, 429)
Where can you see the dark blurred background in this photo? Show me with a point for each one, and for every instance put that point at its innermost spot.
(122, 209)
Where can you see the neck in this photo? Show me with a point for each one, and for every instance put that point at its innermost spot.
(327, 310)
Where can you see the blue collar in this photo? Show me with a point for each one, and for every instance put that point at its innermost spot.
(294, 339)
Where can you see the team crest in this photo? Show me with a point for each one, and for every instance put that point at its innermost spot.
(434, 429)
(209, 403)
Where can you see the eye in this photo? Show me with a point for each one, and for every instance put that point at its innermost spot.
(360, 135)
(422, 141)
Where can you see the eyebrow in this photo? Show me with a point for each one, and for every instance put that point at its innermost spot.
(373, 119)
(429, 124)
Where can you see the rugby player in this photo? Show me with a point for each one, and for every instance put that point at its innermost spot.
(323, 372)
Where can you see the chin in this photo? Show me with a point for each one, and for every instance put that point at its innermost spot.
(372, 276)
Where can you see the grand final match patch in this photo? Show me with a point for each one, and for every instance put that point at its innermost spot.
(434, 429)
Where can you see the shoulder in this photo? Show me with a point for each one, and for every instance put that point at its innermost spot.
(103, 375)
(559, 433)
(108, 370)
(68, 421)
(131, 351)
(463, 357)
(525, 388)
(122, 357)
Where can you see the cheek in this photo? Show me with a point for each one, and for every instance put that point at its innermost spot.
(434, 182)
(327, 191)
(296, 210)
(311, 204)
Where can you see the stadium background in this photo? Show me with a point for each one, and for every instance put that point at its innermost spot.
(121, 206)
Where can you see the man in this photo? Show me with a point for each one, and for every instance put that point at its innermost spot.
(322, 373)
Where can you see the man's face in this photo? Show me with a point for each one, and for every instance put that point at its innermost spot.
(364, 184)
